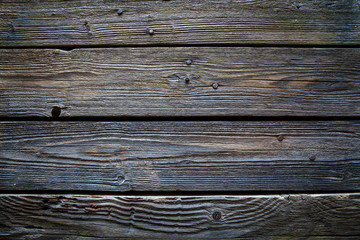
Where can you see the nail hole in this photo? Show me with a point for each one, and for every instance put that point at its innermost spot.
(55, 112)
(280, 138)
(187, 79)
(216, 216)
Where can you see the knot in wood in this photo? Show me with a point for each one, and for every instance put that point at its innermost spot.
(216, 215)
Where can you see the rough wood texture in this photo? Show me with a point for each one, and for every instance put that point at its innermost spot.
(180, 217)
(158, 82)
(71, 23)
(180, 156)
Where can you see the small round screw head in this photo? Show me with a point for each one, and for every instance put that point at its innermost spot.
(188, 62)
(119, 11)
(151, 31)
(215, 85)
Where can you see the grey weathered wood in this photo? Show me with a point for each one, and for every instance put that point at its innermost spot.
(180, 156)
(153, 82)
(50, 23)
(180, 217)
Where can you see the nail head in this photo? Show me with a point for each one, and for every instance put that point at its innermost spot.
(280, 138)
(56, 111)
(215, 85)
(312, 158)
(151, 31)
(188, 62)
(119, 11)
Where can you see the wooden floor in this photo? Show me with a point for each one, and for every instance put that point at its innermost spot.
(180, 119)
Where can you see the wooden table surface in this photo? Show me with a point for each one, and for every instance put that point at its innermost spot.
(203, 119)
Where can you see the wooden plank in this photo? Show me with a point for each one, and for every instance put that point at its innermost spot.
(89, 22)
(178, 217)
(158, 82)
(180, 156)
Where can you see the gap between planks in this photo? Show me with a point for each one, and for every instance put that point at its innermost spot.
(182, 119)
(178, 193)
(70, 48)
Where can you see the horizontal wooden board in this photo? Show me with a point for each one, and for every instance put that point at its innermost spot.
(158, 82)
(95, 22)
(180, 156)
(179, 217)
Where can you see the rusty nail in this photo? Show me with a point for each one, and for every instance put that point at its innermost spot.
(188, 62)
(215, 85)
(151, 31)
(280, 138)
(119, 11)
(312, 158)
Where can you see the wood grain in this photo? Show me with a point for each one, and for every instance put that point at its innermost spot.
(179, 217)
(157, 82)
(85, 23)
(180, 156)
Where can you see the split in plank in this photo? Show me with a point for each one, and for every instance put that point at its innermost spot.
(178, 217)
(95, 22)
(180, 156)
(223, 81)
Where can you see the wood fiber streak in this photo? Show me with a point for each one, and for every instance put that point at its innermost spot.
(180, 156)
(176, 217)
(122, 82)
(72, 23)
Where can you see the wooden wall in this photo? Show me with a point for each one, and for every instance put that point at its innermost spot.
(205, 119)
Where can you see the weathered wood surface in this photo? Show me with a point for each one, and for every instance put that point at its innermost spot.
(179, 217)
(71, 23)
(180, 156)
(158, 82)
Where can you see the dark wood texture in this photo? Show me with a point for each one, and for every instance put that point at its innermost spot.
(180, 217)
(90, 22)
(157, 82)
(154, 63)
(180, 156)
